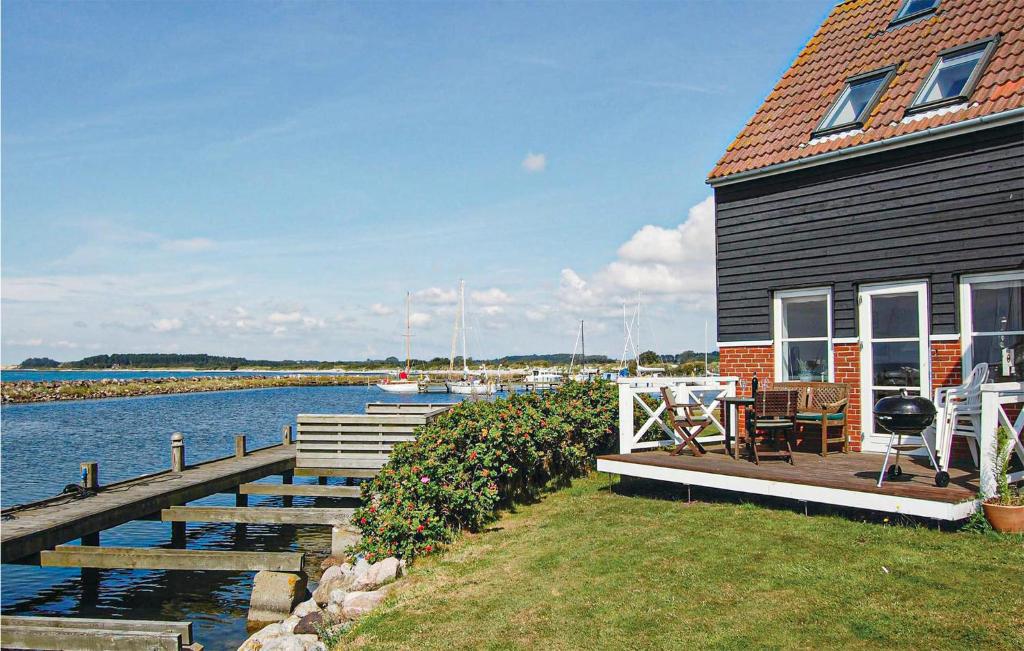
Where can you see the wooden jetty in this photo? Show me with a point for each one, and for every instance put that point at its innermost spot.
(346, 445)
(32, 528)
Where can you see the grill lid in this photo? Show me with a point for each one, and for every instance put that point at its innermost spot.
(904, 414)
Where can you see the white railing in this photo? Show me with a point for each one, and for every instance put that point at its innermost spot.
(705, 392)
(994, 398)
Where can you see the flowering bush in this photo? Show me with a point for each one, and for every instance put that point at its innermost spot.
(478, 457)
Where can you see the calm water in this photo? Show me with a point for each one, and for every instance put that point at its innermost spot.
(43, 444)
(51, 376)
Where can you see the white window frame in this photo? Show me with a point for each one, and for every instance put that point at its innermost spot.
(967, 333)
(777, 299)
(871, 440)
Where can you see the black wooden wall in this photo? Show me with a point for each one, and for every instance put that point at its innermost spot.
(932, 211)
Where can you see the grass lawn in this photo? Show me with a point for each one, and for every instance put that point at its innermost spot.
(605, 566)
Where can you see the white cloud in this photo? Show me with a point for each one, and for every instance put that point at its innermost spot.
(310, 322)
(678, 264)
(436, 296)
(381, 310)
(492, 310)
(25, 342)
(492, 296)
(285, 317)
(419, 319)
(166, 325)
(534, 163)
(188, 245)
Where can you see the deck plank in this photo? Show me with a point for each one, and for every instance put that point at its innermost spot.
(855, 471)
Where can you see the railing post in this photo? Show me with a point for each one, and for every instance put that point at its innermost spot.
(987, 442)
(625, 417)
(177, 452)
(286, 435)
(239, 446)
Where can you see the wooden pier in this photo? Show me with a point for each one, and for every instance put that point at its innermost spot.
(42, 525)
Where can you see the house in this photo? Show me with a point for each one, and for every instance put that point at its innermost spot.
(870, 215)
(870, 231)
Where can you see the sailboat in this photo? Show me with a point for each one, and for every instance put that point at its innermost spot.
(467, 385)
(585, 374)
(404, 384)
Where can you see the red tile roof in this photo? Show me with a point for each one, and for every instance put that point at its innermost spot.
(856, 38)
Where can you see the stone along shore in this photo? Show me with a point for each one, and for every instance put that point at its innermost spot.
(25, 391)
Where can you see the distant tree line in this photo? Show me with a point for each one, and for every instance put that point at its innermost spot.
(212, 362)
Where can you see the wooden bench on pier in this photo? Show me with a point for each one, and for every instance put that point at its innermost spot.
(358, 445)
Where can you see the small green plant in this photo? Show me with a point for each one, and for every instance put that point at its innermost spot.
(1007, 495)
(331, 631)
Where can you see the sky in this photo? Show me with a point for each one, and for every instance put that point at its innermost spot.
(269, 180)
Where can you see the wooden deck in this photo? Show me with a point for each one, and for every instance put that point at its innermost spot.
(43, 525)
(841, 479)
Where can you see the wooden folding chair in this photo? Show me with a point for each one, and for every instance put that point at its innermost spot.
(685, 423)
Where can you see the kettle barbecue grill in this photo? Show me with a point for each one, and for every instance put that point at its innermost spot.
(903, 415)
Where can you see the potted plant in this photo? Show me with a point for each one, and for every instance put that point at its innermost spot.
(1005, 511)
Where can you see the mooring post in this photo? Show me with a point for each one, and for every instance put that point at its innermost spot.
(90, 475)
(239, 446)
(177, 452)
(286, 435)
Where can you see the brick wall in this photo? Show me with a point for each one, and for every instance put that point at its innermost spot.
(742, 361)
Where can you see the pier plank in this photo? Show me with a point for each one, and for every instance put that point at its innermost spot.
(83, 639)
(256, 515)
(144, 558)
(362, 473)
(32, 528)
(300, 490)
(184, 629)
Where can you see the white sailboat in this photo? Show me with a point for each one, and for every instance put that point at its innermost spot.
(404, 384)
(467, 385)
(584, 374)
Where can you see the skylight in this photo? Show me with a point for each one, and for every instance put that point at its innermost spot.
(855, 102)
(954, 75)
(915, 8)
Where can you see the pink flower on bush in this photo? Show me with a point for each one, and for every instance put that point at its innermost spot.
(424, 479)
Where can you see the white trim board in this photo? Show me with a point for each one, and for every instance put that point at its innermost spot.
(949, 337)
(755, 343)
(801, 492)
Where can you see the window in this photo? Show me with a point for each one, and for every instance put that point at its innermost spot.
(855, 102)
(992, 311)
(803, 341)
(954, 75)
(913, 9)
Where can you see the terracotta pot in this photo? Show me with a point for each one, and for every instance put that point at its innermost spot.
(1005, 519)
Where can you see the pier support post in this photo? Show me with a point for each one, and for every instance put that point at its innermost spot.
(287, 478)
(241, 499)
(239, 446)
(321, 480)
(90, 475)
(177, 452)
(178, 535)
(286, 435)
(91, 539)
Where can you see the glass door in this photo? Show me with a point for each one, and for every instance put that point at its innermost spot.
(894, 348)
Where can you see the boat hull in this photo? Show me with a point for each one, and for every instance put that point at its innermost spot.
(470, 389)
(399, 387)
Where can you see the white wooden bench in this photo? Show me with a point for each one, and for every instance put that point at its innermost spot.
(359, 442)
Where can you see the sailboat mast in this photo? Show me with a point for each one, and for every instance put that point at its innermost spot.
(408, 332)
(583, 345)
(462, 311)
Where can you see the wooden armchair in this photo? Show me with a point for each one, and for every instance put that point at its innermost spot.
(771, 420)
(823, 405)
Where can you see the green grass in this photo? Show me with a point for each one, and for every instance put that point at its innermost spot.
(594, 568)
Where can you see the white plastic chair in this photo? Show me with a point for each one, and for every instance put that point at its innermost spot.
(959, 415)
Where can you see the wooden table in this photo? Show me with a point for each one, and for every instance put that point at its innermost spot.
(730, 420)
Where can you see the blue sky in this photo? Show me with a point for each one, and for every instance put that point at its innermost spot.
(268, 180)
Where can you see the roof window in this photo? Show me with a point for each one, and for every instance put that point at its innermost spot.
(854, 104)
(954, 75)
(912, 9)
